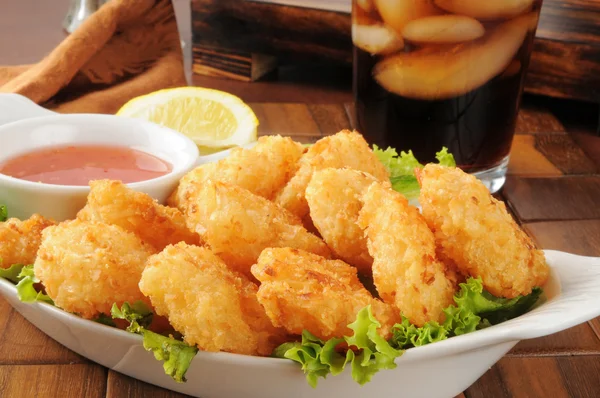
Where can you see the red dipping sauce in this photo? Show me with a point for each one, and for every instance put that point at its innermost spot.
(78, 165)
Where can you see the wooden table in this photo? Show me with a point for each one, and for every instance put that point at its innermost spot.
(553, 189)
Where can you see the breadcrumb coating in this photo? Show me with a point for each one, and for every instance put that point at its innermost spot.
(238, 225)
(333, 196)
(406, 271)
(87, 267)
(344, 149)
(478, 234)
(20, 240)
(213, 307)
(263, 170)
(112, 202)
(301, 290)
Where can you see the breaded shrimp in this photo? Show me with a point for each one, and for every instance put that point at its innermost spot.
(263, 170)
(112, 202)
(344, 149)
(238, 225)
(476, 232)
(86, 267)
(301, 290)
(406, 271)
(20, 240)
(333, 196)
(213, 307)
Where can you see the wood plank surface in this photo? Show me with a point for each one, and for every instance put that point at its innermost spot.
(284, 31)
(536, 119)
(48, 381)
(293, 120)
(23, 343)
(527, 160)
(578, 340)
(330, 118)
(566, 198)
(120, 385)
(565, 154)
(522, 377)
(580, 237)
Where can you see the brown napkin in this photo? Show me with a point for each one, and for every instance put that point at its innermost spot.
(125, 49)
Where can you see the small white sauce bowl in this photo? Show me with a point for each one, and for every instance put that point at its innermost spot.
(27, 127)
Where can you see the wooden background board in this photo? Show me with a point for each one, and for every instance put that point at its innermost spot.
(565, 62)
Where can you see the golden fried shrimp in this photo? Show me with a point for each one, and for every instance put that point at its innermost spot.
(86, 267)
(213, 307)
(344, 149)
(476, 232)
(406, 271)
(263, 170)
(20, 240)
(238, 225)
(112, 202)
(333, 196)
(301, 290)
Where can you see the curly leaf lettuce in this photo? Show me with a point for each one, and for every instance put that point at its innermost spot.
(11, 273)
(445, 158)
(402, 168)
(368, 352)
(472, 298)
(26, 281)
(3, 213)
(475, 309)
(139, 315)
(175, 355)
(407, 335)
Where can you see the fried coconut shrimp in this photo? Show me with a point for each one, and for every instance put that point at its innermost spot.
(344, 149)
(406, 271)
(86, 267)
(213, 307)
(20, 240)
(476, 232)
(112, 202)
(301, 290)
(263, 170)
(238, 225)
(333, 196)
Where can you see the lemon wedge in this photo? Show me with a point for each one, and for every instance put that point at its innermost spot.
(212, 119)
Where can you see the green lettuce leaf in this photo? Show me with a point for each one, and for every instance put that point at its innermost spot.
(402, 168)
(474, 309)
(12, 273)
(26, 287)
(445, 158)
(175, 355)
(407, 335)
(308, 354)
(139, 315)
(398, 165)
(319, 358)
(3, 213)
(472, 297)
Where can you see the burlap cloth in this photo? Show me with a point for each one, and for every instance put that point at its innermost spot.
(125, 49)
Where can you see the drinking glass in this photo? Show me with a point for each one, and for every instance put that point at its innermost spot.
(443, 73)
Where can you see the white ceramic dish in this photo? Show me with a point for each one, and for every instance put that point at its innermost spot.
(442, 369)
(29, 127)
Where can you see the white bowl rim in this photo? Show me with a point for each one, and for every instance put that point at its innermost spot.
(74, 189)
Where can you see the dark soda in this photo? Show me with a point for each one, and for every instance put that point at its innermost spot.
(405, 96)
